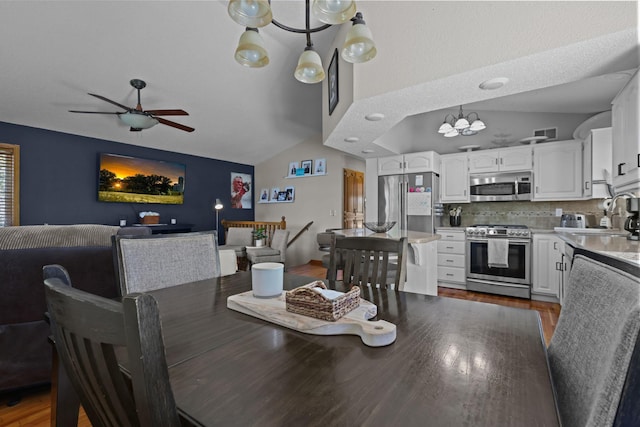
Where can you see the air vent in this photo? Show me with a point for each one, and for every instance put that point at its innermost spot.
(551, 133)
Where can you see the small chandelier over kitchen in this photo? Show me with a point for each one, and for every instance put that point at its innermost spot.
(461, 125)
(358, 46)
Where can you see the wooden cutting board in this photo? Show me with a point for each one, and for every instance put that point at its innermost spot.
(373, 333)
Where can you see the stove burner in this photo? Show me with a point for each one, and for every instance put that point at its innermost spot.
(500, 226)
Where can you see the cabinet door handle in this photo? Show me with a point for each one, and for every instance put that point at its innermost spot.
(620, 173)
(639, 160)
(536, 189)
(449, 247)
(449, 260)
(557, 266)
(586, 185)
(449, 274)
(501, 162)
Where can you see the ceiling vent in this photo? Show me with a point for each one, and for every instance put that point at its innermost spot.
(550, 133)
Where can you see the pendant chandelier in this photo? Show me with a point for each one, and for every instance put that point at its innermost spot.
(461, 125)
(358, 46)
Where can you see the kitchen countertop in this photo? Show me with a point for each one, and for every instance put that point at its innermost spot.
(613, 245)
(394, 233)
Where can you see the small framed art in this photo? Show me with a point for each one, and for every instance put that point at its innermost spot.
(293, 167)
(333, 82)
(264, 196)
(320, 167)
(273, 196)
(307, 166)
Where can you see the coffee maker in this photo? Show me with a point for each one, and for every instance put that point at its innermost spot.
(632, 223)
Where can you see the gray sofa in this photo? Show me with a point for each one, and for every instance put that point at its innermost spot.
(84, 250)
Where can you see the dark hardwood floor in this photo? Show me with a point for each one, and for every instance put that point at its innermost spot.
(34, 408)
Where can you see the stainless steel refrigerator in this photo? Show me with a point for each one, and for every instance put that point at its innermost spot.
(409, 200)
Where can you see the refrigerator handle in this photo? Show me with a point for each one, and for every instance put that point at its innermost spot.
(402, 204)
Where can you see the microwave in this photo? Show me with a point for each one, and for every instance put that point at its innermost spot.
(501, 186)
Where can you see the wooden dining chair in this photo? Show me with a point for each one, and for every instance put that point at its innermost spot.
(145, 263)
(593, 344)
(373, 261)
(88, 330)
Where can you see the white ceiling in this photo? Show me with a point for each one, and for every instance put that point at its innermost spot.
(55, 52)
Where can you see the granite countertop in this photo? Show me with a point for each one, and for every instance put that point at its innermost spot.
(394, 233)
(614, 244)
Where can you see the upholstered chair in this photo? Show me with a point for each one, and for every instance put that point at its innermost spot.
(275, 253)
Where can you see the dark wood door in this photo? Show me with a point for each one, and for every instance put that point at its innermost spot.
(353, 199)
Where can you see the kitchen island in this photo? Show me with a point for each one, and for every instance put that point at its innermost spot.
(422, 254)
(614, 245)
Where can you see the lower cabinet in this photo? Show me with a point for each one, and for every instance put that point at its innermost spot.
(451, 259)
(548, 265)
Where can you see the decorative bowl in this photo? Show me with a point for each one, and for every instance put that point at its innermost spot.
(379, 227)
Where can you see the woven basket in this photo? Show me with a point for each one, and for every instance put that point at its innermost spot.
(304, 300)
(150, 219)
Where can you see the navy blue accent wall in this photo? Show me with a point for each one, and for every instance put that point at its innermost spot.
(59, 181)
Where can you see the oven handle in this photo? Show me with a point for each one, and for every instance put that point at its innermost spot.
(480, 239)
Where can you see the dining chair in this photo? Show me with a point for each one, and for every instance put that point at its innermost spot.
(88, 331)
(593, 343)
(276, 252)
(370, 261)
(145, 263)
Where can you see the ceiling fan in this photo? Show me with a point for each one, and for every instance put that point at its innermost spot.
(137, 118)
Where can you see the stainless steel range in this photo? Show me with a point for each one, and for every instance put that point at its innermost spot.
(499, 259)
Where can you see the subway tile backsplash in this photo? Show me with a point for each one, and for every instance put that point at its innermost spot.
(536, 215)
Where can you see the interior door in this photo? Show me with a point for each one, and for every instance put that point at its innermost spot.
(353, 199)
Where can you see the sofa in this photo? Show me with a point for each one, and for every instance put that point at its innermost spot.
(84, 250)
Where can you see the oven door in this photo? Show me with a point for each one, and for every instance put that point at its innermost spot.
(518, 271)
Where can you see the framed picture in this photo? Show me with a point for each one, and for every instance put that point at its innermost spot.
(273, 196)
(290, 194)
(241, 197)
(293, 167)
(333, 82)
(264, 196)
(321, 167)
(307, 166)
(282, 196)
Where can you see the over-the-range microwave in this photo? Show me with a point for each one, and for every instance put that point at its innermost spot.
(501, 186)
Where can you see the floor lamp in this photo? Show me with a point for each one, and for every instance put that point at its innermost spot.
(218, 206)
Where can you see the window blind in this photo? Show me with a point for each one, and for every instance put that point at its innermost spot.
(9, 184)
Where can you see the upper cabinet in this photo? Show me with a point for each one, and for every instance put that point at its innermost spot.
(428, 161)
(596, 163)
(505, 159)
(557, 170)
(454, 178)
(625, 120)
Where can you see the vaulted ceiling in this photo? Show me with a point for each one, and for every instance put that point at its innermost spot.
(431, 56)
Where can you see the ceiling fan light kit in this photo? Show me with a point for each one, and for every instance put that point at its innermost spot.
(138, 119)
(461, 125)
(358, 47)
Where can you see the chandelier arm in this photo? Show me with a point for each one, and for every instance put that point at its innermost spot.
(300, 30)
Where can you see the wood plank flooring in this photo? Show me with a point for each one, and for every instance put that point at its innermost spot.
(34, 409)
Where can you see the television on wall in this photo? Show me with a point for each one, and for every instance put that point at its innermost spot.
(127, 179)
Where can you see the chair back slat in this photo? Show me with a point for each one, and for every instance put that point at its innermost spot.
(367, 261)
(93, 337)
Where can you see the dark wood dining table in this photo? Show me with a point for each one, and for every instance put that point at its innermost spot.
(454, 363)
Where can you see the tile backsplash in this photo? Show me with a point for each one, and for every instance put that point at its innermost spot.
(537, 215)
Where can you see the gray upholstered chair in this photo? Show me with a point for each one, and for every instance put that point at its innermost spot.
(88, 329)
(591, 348)
(275, 253)
(145, 263)
(369, 261)
(238, 238)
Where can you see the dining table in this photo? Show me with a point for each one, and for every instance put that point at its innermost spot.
(453, 363)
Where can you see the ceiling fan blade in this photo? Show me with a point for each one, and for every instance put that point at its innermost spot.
(110, 101)
(92, 112)
(167, 112)
(174, 124)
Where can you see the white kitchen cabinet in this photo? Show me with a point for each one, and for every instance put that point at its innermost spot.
(547, 263)
(557, 170)
(451, 259)
(454, 178)
(625, 120)
(504, 159)
(427, 161)
(596, 163)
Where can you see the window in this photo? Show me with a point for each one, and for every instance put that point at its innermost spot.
(9, 185)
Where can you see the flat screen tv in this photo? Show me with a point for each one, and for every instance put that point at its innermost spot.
(133, 180)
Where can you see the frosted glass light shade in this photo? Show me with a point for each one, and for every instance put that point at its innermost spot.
(334, 11)
(477, 125)
(359, 46)
(138, 120)
(309, 69)
(250, 13)
(250, 51)
(461, 123)
(453, 132)
(445, 127)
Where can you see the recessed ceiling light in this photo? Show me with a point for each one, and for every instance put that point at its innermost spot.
(368, 151)
(352, 139)
(374, 117)
(493, 84)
